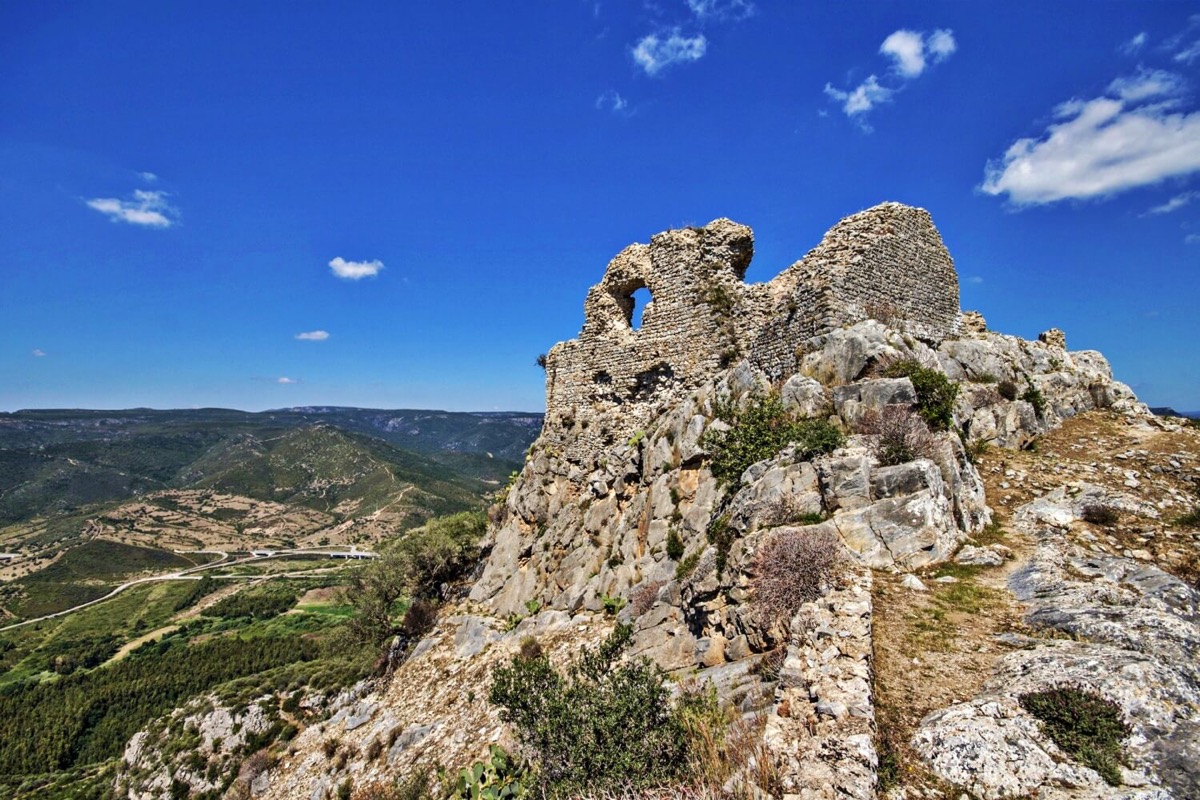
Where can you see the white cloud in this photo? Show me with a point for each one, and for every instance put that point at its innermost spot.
(862, 99)
(911, 53)
(1147, 83)
(908, 49)
(722, 9)
(612, 101)
(148, 209)
(313, 336)
(1175, 203)
(355, 270)
(148, 177)
(1100, 147)
(655, 52)
(1135, 44)
(1189, 52)
(38, 352)
(976, 279)
(285, 380)
(1192, 238)
(941, 44)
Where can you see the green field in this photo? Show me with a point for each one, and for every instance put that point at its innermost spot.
(87, 572)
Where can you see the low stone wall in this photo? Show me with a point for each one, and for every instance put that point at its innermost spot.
(822, 728)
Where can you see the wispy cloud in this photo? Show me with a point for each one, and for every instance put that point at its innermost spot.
(657, 51)
(147, 209)
(1175, 203)
(612, 101)
(1192, 238)
(976, 279)
(313, 336)
(355, 270)
(1134, 45)
(285, 380)
(861, 99)
(1185, 45)
(1102, 146)
(148, 177)
(1147, 83)
(38, 352)
(722, 9)
(911, 53)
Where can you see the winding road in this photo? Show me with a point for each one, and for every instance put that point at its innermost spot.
(190, 575)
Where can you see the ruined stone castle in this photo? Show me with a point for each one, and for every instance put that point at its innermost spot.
(887, 263)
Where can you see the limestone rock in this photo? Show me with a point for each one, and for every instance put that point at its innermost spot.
(973, 322)
(804, 396)
(1053, 338)
(979, 556)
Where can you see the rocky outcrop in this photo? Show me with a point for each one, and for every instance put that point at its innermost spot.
(1135, 640)
(197, 749)
(822, 727)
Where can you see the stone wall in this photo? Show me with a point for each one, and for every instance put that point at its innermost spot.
(887, 262)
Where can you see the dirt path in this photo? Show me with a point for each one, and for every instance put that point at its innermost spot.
(134, 644)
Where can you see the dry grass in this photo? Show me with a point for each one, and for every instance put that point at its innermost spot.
(791, 568)
(900, 435)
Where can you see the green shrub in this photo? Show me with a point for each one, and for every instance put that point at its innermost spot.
(1085, 725)
(598, 727)
(612, 605)
(674, 545)
(759, 431)
(935, 392)
(498, 778)
(686, 567)
(418, 566)
(721, 536)
(1034, 397)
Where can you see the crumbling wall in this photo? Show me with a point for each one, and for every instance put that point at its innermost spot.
(601, 384)
(887, 262)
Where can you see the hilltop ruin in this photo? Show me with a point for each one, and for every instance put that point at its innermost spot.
(887, 263)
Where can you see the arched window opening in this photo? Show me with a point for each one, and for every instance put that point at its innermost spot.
(641, 298)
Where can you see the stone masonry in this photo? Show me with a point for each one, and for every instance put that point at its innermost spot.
(887, 263)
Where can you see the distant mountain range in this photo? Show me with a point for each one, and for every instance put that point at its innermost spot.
(1167, 411)
(60, 460)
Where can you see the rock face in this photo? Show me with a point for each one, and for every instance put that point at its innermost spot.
(218, 738)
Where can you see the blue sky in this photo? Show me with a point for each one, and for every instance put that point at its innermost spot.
(257, 205)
